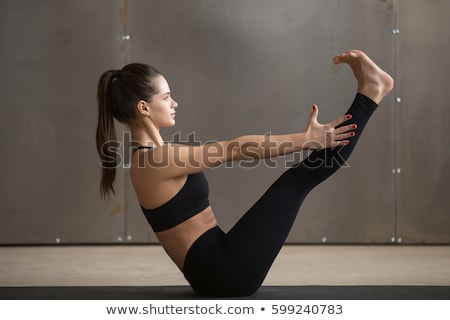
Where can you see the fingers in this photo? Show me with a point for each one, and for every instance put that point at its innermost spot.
(343, 136)
(336, 133)
(340, 136)
(345, 129)
(340, 143)
(339, 121)
(314, 114)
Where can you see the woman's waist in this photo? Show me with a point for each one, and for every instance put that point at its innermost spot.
(176, 241)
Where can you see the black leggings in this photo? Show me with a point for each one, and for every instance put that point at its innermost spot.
(236, 263)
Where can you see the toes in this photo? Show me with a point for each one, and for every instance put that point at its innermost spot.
(343, 57)
(339, 58)
(346, 56)
(354, 53)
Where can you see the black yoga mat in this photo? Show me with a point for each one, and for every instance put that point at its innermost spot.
(265, 293)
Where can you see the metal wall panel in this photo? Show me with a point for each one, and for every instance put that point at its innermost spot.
(250, 67)
(236, 67)
(423, 116)
(53, 53)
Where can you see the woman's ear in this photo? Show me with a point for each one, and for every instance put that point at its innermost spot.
(143, 108)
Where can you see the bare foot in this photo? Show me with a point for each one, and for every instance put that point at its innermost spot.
(373, 82)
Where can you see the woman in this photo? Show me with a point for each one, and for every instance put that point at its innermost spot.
(173, 191)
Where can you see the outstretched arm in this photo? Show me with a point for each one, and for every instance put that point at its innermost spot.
(316, 136)
(177, 160)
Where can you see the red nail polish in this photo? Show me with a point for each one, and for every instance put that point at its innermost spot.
(354, 126)
(352, 134)
(347, 142)
(348, 116)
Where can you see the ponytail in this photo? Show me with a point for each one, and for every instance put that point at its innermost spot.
(117, 95)
(107, 144)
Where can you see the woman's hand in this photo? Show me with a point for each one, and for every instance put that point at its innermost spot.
(321, 136)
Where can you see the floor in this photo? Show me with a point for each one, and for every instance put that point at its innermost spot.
(297, 265)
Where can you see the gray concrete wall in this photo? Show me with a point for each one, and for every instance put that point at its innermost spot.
(235, 67)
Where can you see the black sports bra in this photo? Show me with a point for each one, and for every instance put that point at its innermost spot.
(189, 201)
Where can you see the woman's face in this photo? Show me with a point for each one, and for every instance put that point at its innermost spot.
(162, 107)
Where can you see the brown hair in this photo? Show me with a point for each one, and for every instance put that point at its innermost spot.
(117, 96)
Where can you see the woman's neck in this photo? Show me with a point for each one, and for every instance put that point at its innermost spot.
(146, 136)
